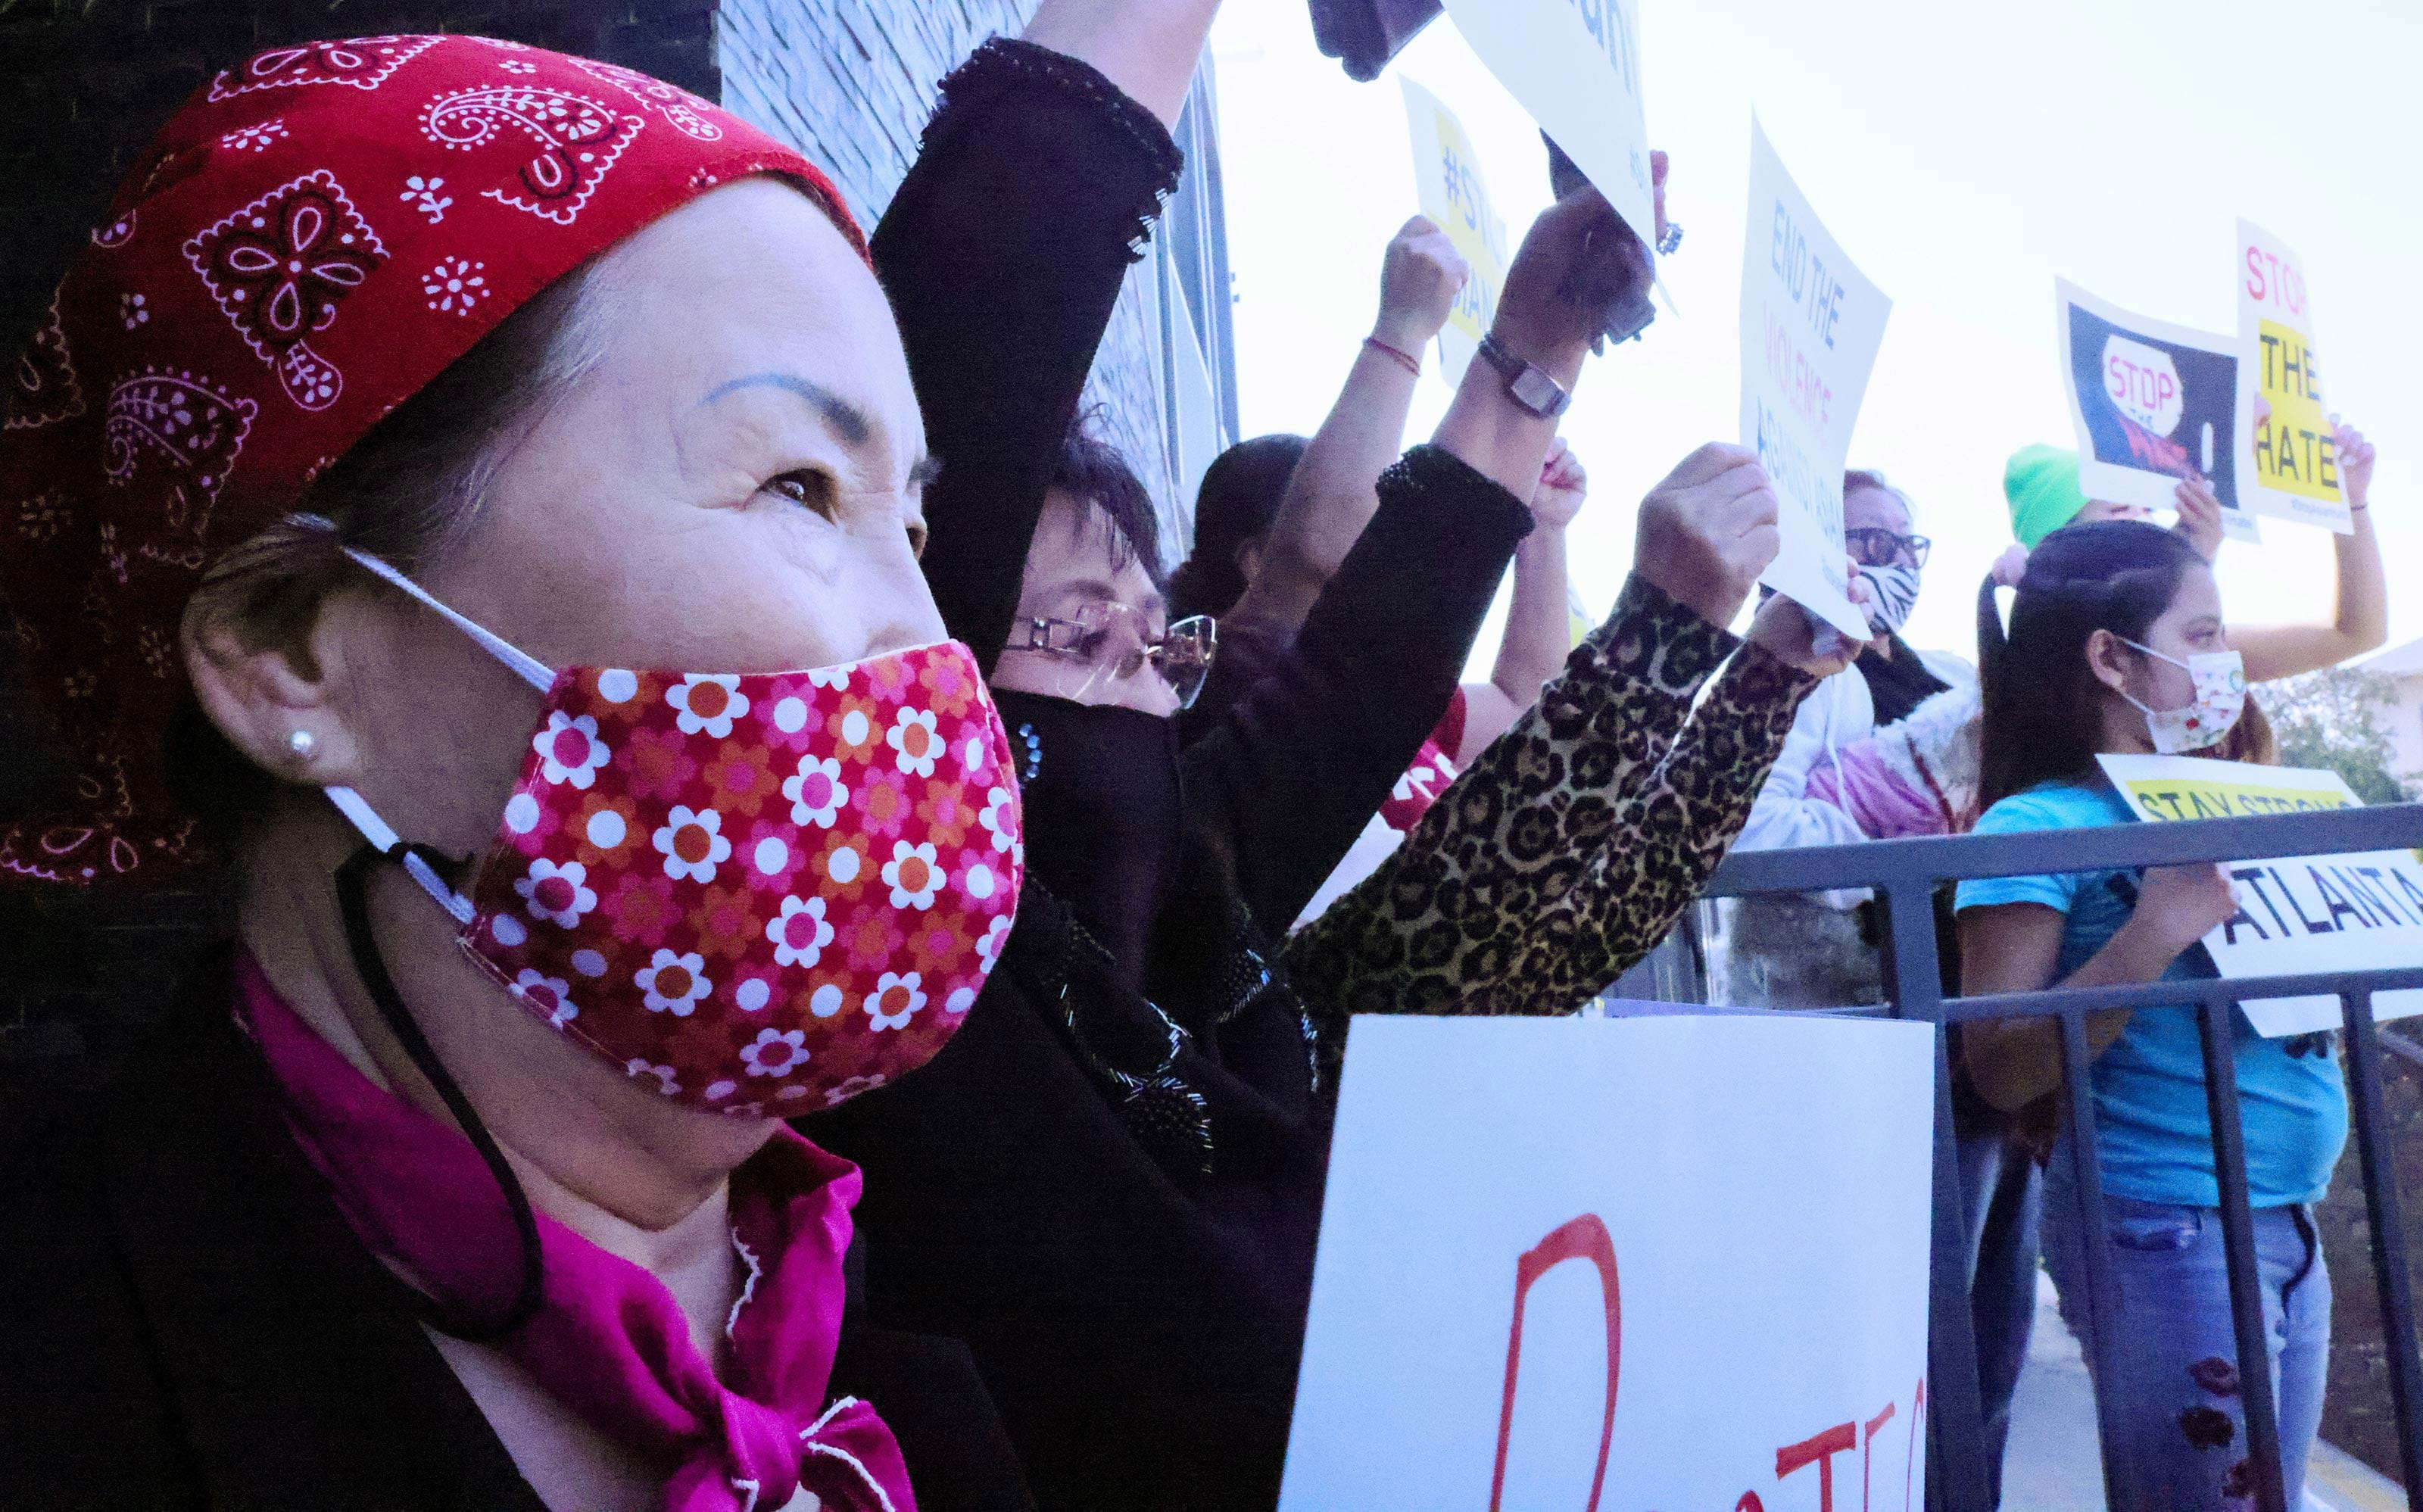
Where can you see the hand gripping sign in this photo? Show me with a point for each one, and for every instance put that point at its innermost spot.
(2313, 913)
(1575, 66)
(2153, 403)
(2291, 460)
(1447, 175)
(1621, 1262)
(1811, 327)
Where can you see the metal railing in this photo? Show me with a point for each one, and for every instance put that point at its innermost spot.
(1905, 875)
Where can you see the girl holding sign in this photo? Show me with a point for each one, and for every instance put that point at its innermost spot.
(2117, 645)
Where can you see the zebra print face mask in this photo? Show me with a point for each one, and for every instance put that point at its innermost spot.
(1892, 593)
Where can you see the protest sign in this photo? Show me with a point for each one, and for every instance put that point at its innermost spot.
(2313, 913)
(2153, 403)
(1811, 326)
(1574, 65)
(2292, 466)
(1658, 1262)
(1447, 175)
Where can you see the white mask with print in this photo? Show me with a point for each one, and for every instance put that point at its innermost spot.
(2220, 680)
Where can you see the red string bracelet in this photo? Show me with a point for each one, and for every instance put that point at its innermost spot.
(1406, 359)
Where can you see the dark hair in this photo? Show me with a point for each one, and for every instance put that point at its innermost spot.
(406, 493)
(1234, 506)
(1118, 511)
(2042, 703)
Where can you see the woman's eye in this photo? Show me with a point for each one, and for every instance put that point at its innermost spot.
(812, 489)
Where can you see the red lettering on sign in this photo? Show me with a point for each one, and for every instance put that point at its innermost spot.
(1819, 1451)
(1583, 1239)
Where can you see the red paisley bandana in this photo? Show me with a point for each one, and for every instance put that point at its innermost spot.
(315, 236)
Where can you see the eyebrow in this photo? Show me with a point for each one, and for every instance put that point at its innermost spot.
(1102, 591)
(847, 420)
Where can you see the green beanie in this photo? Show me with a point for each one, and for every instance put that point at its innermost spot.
(2041, 484)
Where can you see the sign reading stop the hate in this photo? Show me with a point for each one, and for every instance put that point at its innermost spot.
(1671, 1262)
(1811, 327)
(2292, 463)
(2153, 403)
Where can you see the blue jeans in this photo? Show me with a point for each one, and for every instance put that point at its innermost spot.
(2175, 1359)
(2000, 1204)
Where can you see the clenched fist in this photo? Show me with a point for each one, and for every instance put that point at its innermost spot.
(1708, 530)
(1420, 280)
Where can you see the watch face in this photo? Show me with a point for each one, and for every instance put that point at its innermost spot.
(1538, 392)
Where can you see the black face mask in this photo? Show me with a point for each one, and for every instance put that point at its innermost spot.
(1103, 818)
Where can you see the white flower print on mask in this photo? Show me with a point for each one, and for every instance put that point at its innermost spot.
(694, 844)
(912, 875)
(569, 749)
(988, 945)
(777, 1052)
(559, 895)
(842, 1092)
(708, 703)
(664, 1074)
(895, 999)
(802, 934)
(817, 793)
(675, 984)
(996, 818)
(552, 996)
(911, 736)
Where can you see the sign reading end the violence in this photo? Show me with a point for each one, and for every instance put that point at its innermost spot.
(2153, 403)
(1673, 1262)
(1455, 197)
(1811, 327)
(2292, 464)
(1575, 66)
(2310, 913)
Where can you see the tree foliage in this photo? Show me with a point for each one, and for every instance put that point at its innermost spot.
(2329, 719)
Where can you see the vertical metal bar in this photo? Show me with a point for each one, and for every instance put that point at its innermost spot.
(2094, 1238)
(2217, 1026)
(2389, 1264)
(1955, 1415)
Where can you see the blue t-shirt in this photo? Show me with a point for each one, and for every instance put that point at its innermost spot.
(2151, 1131)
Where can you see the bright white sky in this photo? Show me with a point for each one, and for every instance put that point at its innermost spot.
(1963, 155)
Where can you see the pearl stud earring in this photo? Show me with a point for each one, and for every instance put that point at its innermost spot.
(302, 743)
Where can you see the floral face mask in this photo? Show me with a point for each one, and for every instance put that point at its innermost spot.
(755, 893)
(2219, 679)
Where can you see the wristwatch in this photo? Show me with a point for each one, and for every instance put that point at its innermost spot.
(1534, 391)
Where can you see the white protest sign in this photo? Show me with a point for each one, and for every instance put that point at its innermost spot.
(1811, 326)
(2313, 913)
(1574, 65)
(1447, 174)
(2153, 403)
(1658, 1262)
(2291, 463)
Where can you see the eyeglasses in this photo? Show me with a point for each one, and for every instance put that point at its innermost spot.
(1118, 641)
(1876, 546)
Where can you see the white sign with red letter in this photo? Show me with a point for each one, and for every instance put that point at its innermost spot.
(1811, 327)
(1630, 1263)
(2292, 458)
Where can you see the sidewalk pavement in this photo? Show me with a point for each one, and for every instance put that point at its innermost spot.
(2052, 1465)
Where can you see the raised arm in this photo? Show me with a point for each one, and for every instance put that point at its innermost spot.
(1539, 622)
(2359, 620)
(1145, 48)
(1298, 765)
(1335, 488)
(1003, 253)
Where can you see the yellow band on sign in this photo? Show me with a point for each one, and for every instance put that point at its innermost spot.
(2293, 450)
(1472, 226)
(2195, 798)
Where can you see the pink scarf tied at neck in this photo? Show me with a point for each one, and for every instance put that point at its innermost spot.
(609, 1341)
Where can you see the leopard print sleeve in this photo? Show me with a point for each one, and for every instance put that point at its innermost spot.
(1510, 884)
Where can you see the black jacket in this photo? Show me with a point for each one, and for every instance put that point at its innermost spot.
(1138, 1319)
(186, 1321)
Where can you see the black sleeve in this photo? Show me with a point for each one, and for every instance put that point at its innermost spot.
(1303, 759)
(1003, 255)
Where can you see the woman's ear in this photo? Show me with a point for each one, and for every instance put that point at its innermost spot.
(277, 701)
(1249, 557)
(2107, 658)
